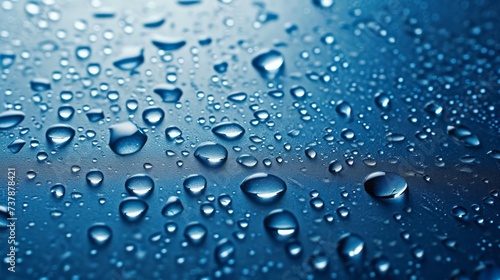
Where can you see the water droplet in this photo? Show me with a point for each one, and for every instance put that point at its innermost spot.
(263, 187)
(140, 185)
(83, 52)
(269, 63)
(462, 135)
(385, 185)
(59, 135)
(459, 212)
(382, 101)
(195, 233)
(133, 209)
(228, 130)
(4, 216)
(16, 146)
(344, 109)
(350, 247)
(382, 265)
(221, 67)
(168, 93)
(173, 207)
(294, 249)
(100, 234)
(126, 138)
(167, 43)
(247, 160)
(153, 115)
(319, 261)
(335, 167)
(58, 191)
(195, 184)
(40, 84)
(10, 118)
(281, 225)
(211, 154)
(65, 112)
(224, 252)
(494, 154)
(7, 59)
(298, 92)
(173, 133)
(95, 115)
(130, 58)
(323, 3)
(94, 178)
(237, 97)
(433, 109)
(154, 21)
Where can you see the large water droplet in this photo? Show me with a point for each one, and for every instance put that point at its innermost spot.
(385, 185)
(10, 118)
(168, 43)
(83, 52)
(140, 185)
(269, 63)
(195, 184)
(462, 135)
(211, 154)
(281, 225)
(16, 145)
(228, 130)
(350, 247)
(168, 93)
(153, 115)
(173, 207)
(195, 233)
(58, 191)
(59, 135)
(94, 178)
(130, 58)
(126, 138)
(100, 234)
(133, 209)
(263, 187)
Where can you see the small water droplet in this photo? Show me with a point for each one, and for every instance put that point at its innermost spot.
(281, 225)
(195, 233)
(173, 207)
(263, 187)
(228, 130)
(100, 234)
(269, 63)
(168, 93)
(195, 184)
(211, 154)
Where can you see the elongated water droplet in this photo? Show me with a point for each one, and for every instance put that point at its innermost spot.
(237, 97)
(263, 187)
(385, 185)
(168, 43)
(130, 58)
(462, 135)
(10, 118)
(228, 130)
(211, 154)
(40, 84)
(168, 93)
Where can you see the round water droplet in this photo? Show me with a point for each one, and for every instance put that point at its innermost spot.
(211, 154)
(269, 63)
(10, 118)
(344, 109)
(263, 187)
(58, 191)
(140, 185)
(462, 135)
(385, 185)
(228, 130)
(60, 135)
(281, 225)
(298, 92)
(195, 233)
(65, 112)
(153, 115)
(382, 101)
(83, 52)
(94, 178)
(126, 138)
(133, 209)
(100, 234)
(335, 167)
(221, 67)
(195, 184)
(350, 247)
(433, 109)
(323, 3)
(173, 207)
(168, 93)
(294, 249)
(319, 261)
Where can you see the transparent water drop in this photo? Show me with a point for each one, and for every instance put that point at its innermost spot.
(247, 160)
(154, 21)
(168, 43)
(344, 109)
(153, 115)
(133, 209)
(433, 109)
(294, 249)
(494, 154)
(100, 234)
(4, 217)
(385, 185)
(83, 52)
(319, 261)
(276, 94)
(59, 135)
(168, 93)
(382, 101)
(263, 188)
(126, 138)
(66, 112)
(195, 233)
(225, 251)
(58, 191)
(40, 84)
(462, 135)
(95, 115)
(350, 247)
(16, 146)
(335, 167)
(173, 207)
(323, 3)
(281, 225)
(221, 67)
(140, 185)
(298, 92)
(228, 130)
(211, 154)
(195, 184)
(237, 97)
(94, 178)
(459, 212)
(172, 133)
(10, 118)
(381, 265)
(7, 59)
(130, 58)
(269, 63)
